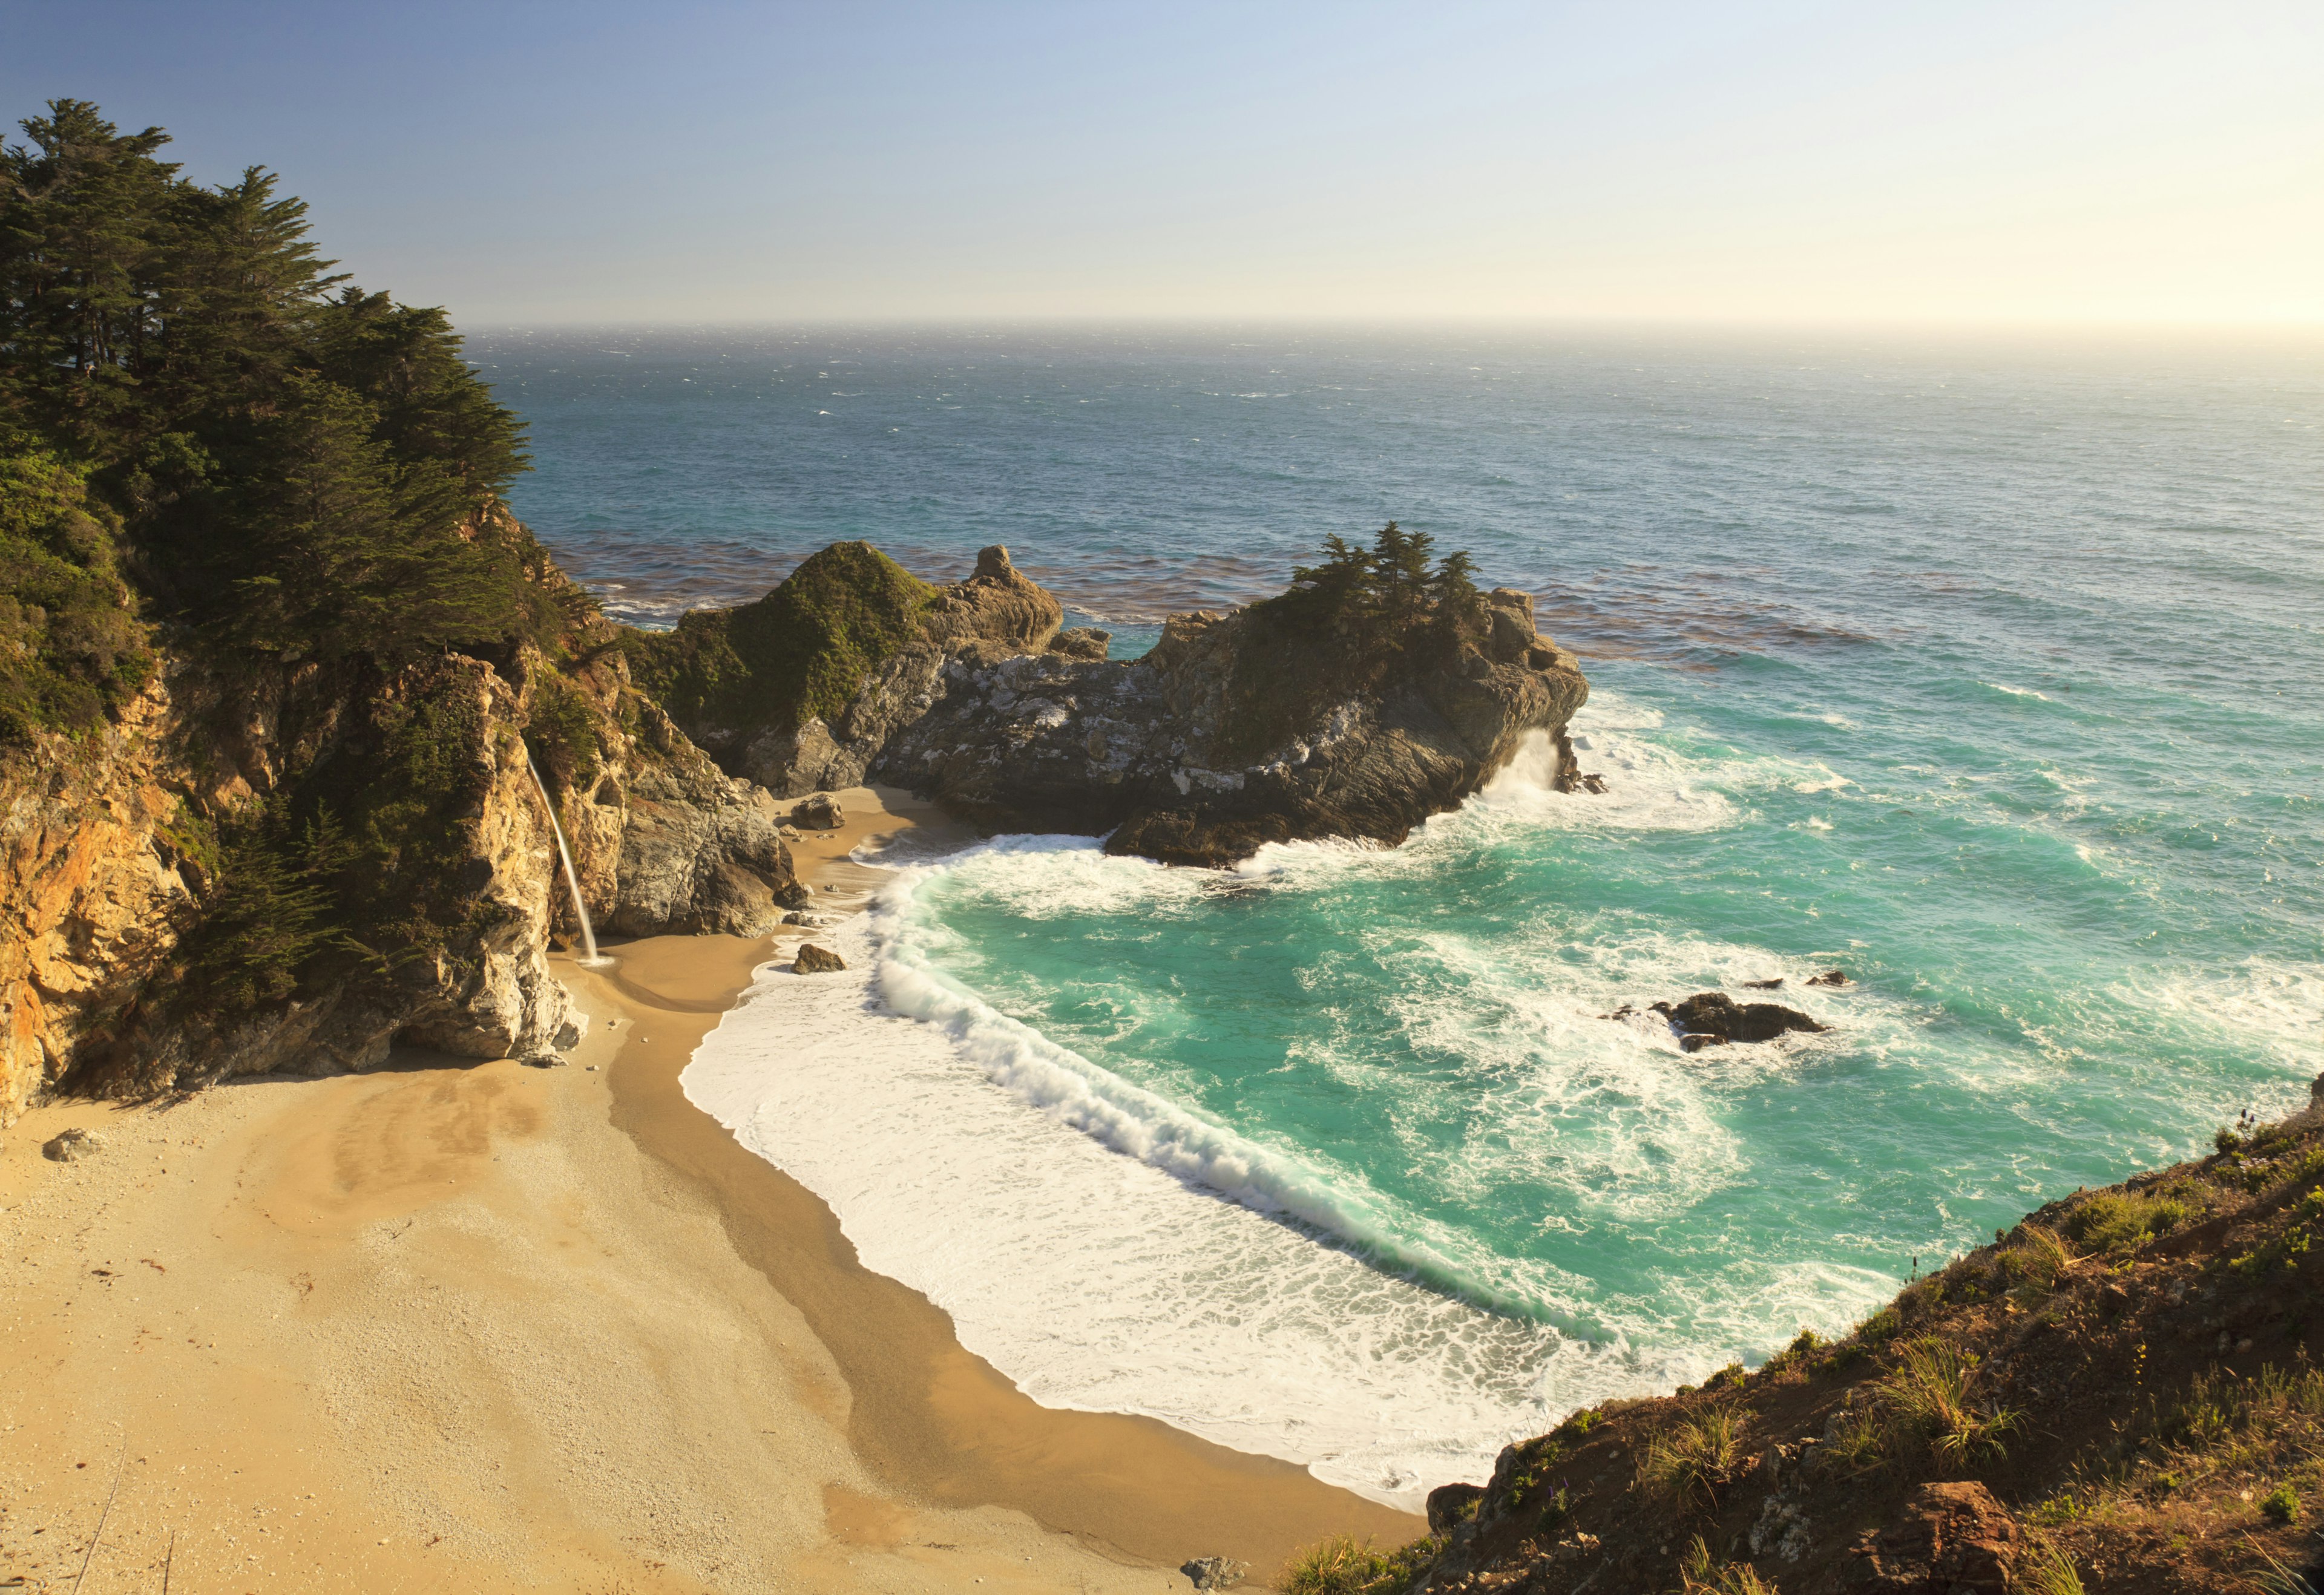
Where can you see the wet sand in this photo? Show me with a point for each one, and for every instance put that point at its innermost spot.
(487, 1327)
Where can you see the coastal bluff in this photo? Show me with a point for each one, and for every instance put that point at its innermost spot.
(1277, 722)
(290, 867)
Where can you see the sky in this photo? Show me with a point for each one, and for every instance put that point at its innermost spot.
(2041, 162)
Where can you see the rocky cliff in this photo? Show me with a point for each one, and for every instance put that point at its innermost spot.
(291, 868)
(1239, 729)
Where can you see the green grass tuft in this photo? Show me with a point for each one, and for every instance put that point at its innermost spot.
(1689, 1462)
(2120, 1220)
(1345, 1565)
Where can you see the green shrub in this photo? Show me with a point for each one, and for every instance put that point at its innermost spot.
(560, 731)
(1535, 1458)
(1882, 1326)
(800, 653)
(2282, 1504)
(2119, 1221)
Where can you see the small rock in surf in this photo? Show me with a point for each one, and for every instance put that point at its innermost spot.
(1713, 1019)
(811, 959)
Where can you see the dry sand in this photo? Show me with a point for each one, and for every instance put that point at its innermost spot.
(488, 1327)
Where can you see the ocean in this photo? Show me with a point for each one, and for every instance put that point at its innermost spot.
(1989, 671)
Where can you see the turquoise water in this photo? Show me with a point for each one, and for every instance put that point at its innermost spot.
(1989, 675)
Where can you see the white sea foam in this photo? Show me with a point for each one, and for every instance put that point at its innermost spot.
(2279, 1005)
(1648, 786)
(1102, 1282)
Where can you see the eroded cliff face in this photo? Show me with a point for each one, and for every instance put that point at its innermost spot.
(111, 878)
(665, 842)
(95, 896)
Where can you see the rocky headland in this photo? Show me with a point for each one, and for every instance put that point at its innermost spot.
(1309, 716)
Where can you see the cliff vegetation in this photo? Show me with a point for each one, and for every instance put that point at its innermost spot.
(2120, 1394)
(800, 653)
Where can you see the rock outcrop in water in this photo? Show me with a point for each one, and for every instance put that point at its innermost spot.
(1234, 731)
(800, 690)
(1280, 722)
(1713, 1019)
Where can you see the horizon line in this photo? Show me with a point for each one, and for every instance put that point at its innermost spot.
(1370, 321)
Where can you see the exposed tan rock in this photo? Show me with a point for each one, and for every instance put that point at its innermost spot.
(92, 895)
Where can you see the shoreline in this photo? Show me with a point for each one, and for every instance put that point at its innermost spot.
(938, 1421)
(489, 1327)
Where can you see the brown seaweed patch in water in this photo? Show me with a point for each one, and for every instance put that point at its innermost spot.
(1692, 619)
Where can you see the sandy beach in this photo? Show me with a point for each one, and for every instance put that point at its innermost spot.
(491, 1327)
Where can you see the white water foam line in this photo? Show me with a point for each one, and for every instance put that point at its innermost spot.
(1099, 1282)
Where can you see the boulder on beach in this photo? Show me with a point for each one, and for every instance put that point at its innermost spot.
(817, 811)
(1213, 1572)
(72, 1145)
(811, 959)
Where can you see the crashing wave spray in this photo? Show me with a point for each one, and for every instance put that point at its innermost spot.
(590, 959)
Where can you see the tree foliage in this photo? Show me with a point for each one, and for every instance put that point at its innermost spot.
(1386, 598)
(71, 649)
(291, 467)
(206, 434)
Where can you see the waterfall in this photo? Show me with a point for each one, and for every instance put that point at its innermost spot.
(572, 881)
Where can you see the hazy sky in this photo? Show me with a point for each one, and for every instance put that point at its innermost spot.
(1766, 160)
